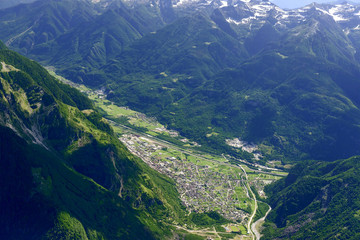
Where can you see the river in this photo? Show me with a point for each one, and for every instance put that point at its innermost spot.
(255, 226)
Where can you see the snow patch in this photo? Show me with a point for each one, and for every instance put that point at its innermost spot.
(247, 20)
(181, 2)
(262, 10)
(339, 18)
(322, 10)
(229, 20)
(187, 2)
(338, 11)
(224, 3)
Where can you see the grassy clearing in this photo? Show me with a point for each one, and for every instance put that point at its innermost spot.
(247, 169)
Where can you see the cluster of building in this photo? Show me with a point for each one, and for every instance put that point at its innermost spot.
(201, 188)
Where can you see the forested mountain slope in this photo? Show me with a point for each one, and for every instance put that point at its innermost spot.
(297, 97)
(286, 80)
(316, 201)
(64, 174)
(76, 36)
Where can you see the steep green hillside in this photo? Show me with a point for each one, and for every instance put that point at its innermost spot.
(64, 174)
(42, 198)
(163, 67)
(92, 44)
(76, 37)
(305, 110)
(316, 201)
(27, 26)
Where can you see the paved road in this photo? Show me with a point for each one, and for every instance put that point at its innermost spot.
(173, 146)
(256, 206)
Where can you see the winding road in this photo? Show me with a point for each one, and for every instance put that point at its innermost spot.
(253, 230)
(250, 231)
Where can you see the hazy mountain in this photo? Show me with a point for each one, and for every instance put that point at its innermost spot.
(11, 3)
(161, 57)
(86, 33)
(302, 3)
(299, 67)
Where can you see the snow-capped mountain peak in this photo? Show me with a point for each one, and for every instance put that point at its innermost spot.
(256, 12)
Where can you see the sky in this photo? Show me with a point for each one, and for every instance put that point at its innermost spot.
(298, 3)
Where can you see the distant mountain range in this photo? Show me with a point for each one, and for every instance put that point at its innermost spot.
(301, 3)
(286, 80)
(11, 3)
(354, 2)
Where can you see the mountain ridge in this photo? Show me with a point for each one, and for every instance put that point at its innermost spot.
(169, 70)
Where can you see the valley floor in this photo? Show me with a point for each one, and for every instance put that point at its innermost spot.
(205, 182)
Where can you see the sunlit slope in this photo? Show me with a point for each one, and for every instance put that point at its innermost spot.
(64, 173)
